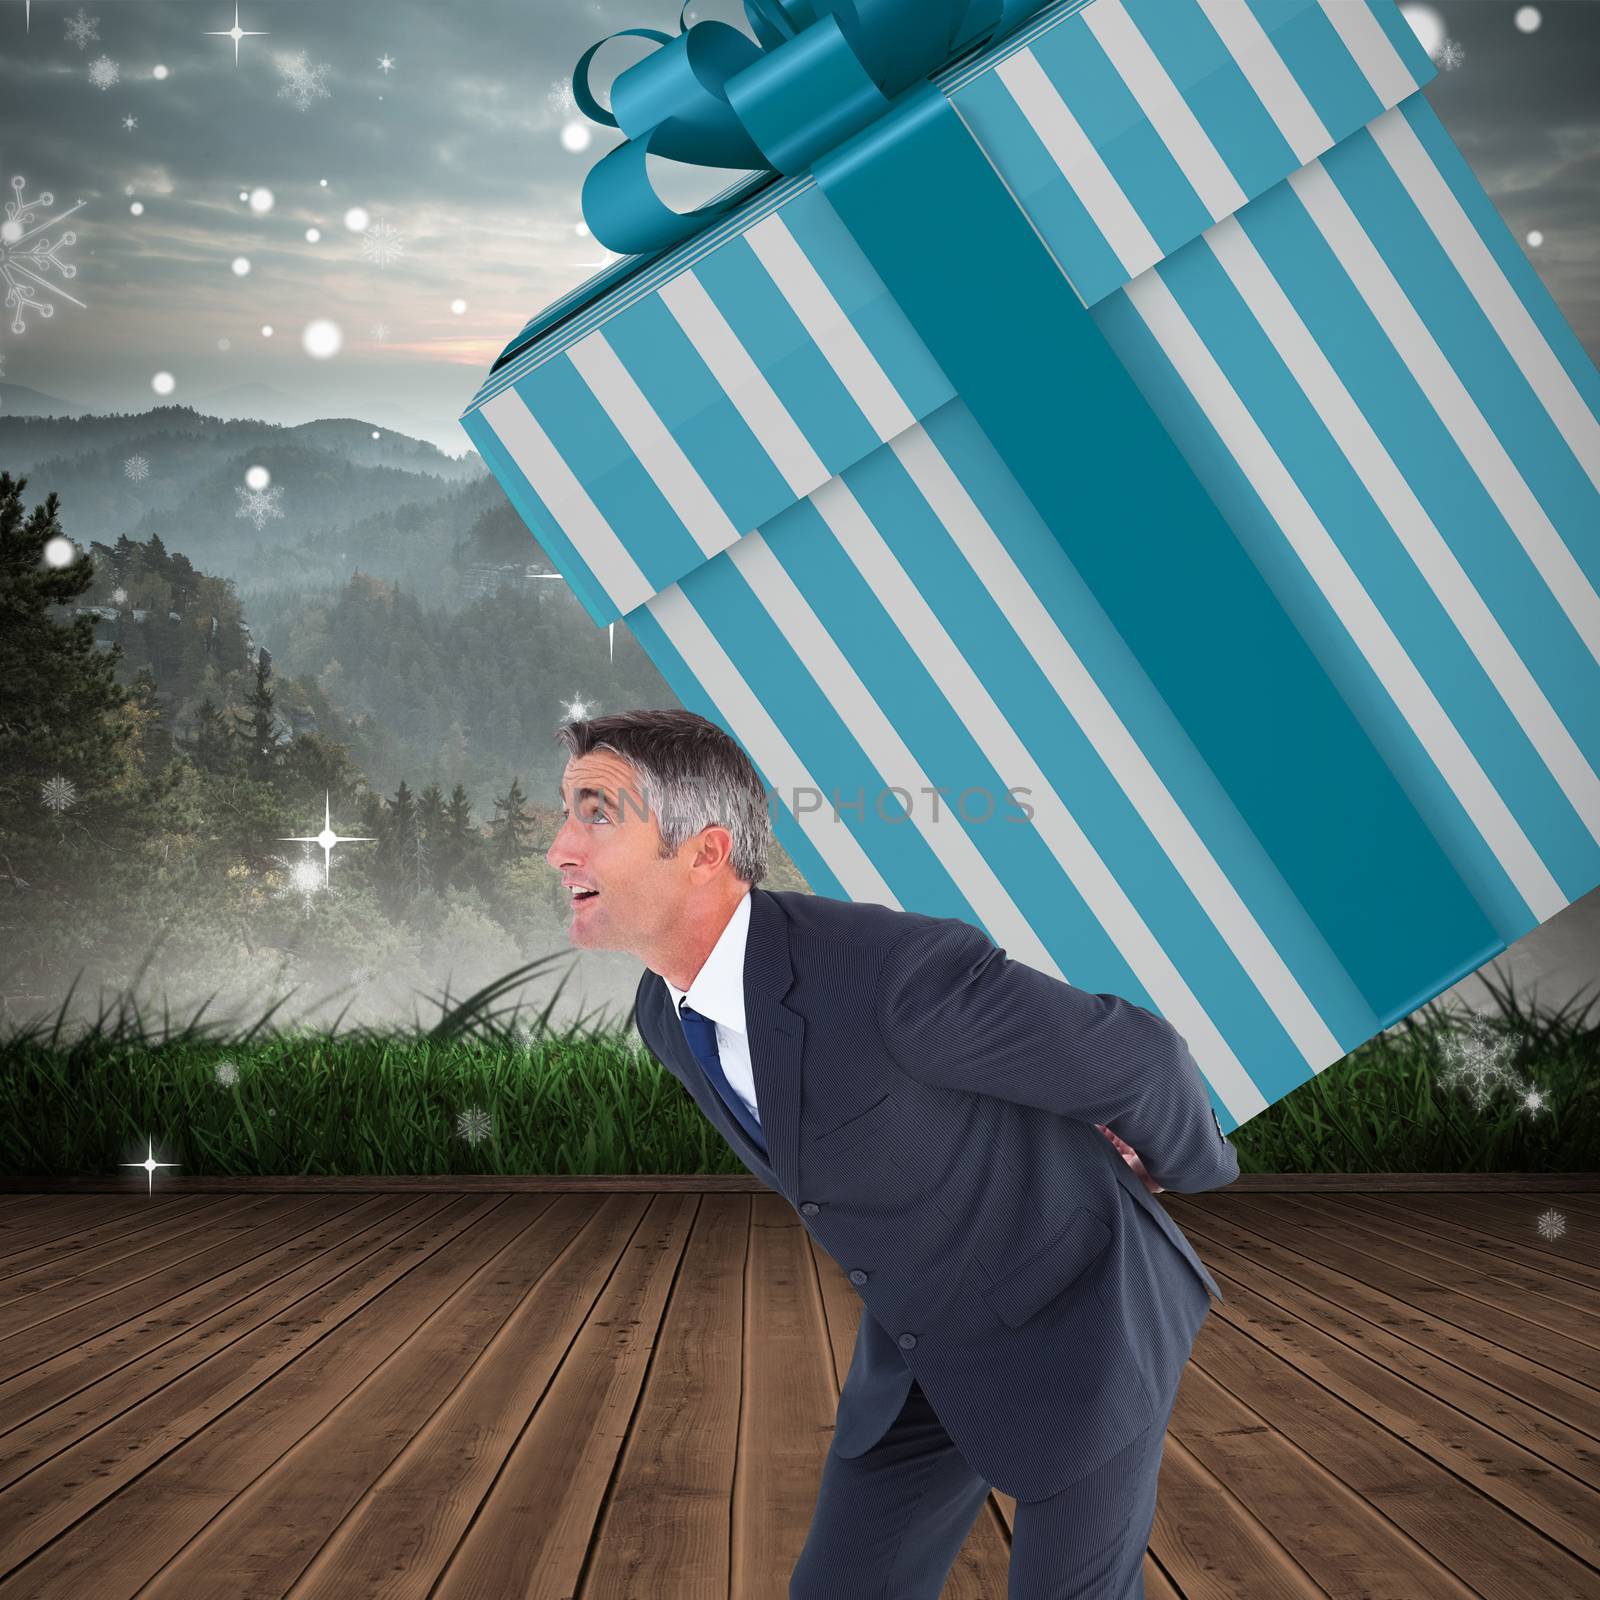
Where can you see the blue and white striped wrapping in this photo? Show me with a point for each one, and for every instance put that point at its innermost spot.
(744, 449)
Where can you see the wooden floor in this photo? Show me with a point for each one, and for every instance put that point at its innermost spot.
(431, 1393)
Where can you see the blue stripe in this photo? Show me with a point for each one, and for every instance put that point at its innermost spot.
(985, 633)
(1216, 91)
(1442, 479)
(694, 694)
(698, 414)
(1137, 156)
(1442, 921)
(1315, 54)
(1050, 201)
(622, 491)
(1491, 228)
(536, 516)
(873, 313)
(779, 345)
(1513, 411)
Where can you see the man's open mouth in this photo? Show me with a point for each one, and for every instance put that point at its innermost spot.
(584, 894)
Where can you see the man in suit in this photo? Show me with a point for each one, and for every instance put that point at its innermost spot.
(975, 1143)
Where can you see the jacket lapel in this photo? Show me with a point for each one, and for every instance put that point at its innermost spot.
(776, 1034)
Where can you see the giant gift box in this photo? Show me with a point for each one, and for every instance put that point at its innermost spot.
(1118, 478)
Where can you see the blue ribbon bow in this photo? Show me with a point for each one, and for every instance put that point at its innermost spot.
(822, 71)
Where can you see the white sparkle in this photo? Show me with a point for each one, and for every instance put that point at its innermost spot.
(236, 33)
(130, 123)
(385, 63)
(327, 839)
(149, 1164)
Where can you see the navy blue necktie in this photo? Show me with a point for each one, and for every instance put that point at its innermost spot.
(701, 1032)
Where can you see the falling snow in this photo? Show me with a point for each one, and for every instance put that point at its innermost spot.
(29, 254)
(81, 30)
(258, 504)
(59, 793)
(386, 63)
(130, 123)
(103, 72)
(301, 83)
(1552, 1224)
(1478, 1063)
(1451, 55)
(382, 243)
(474, 1125)
(227, 1074)
(137, 468)
(380, 331)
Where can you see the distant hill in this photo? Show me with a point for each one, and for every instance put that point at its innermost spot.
(338, 500)
(17, 399)
(263, 403)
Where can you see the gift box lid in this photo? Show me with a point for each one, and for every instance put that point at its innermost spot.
(644, 422)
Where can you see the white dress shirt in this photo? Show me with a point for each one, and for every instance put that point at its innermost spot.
(717, 991)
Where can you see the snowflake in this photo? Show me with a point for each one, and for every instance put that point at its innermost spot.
(301, 83)
(385, 63)
(1451, 56)
(59, 793)
(227, 1074)
(130, 123)
(137, 468)
(1534, 1100)
(560, 99)
(382, 243)
(474, 1125)
(380, 331)
(1552, 1224)
(23, 265)
(81, 29)
(258, 504)
(103, 72)
(1479, 1063)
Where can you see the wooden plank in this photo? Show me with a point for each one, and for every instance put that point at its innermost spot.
(65, 1398)
(748, 1183)
(62, 1216)
(104, 1516)
(1505, 1221)
(169, 1214)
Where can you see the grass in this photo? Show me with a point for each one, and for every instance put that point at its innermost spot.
(481, 1091)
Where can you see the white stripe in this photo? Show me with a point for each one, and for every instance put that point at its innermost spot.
(1397, 501)
(744, 382)
(604, 554)
(752, 725)
(1480, 446)
(646, 435)
(833, 333)
(1275, 85)
(1370, 48)
(1180, 131)
(1298, 522)
(1015, 599)
(1490, 287)
(1052, 819)
(1081, 165)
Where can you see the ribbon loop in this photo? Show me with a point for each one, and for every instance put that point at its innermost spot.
(817, 72)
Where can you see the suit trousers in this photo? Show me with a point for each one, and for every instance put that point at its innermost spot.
(890, 1522)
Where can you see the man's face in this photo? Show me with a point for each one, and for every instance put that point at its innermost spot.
(609, 844)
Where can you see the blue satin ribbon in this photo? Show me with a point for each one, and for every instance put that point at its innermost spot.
(817, 72)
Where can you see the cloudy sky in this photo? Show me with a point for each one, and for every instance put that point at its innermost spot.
(447, 125)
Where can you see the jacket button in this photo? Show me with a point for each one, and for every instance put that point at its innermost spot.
(810, 1208)
(857, 1275)
(907, 1340)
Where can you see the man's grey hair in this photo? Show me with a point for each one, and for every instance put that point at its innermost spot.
(693, 775)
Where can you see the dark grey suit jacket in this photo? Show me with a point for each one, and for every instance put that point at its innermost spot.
(928, 1108)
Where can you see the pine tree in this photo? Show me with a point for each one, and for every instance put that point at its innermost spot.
(397, 849)
(430, 833)
(508, 833)
(258, 732)
(63, 723)
(211, 740)
(456, 862)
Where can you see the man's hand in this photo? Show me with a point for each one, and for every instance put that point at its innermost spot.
(1131, 1156)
